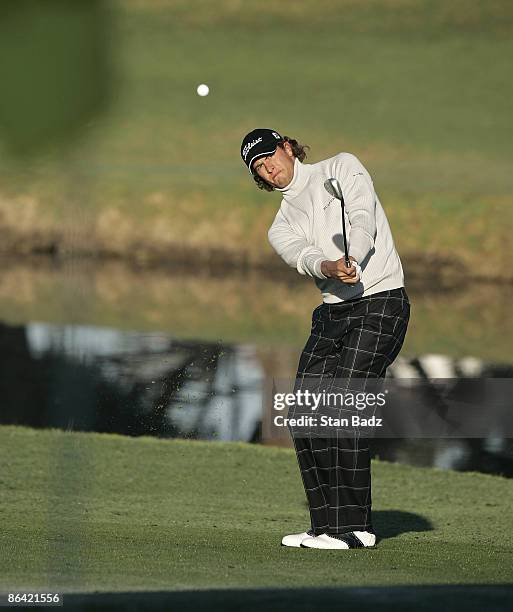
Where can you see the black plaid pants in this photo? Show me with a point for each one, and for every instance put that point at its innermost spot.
(357, 339)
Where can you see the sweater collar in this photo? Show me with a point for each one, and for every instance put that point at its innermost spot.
(299, 180)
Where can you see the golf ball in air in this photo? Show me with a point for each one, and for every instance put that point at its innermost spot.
(202, 90)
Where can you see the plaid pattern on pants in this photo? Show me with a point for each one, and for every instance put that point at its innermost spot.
(357, 339)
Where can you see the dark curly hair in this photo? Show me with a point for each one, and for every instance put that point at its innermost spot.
(299, 152)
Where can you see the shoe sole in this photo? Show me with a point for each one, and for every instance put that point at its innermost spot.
(360, 548)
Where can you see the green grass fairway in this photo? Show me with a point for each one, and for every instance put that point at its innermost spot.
(89, 512)
(418, 89)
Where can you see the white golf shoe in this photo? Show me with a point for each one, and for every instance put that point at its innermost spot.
(295, 539)
(353, 539)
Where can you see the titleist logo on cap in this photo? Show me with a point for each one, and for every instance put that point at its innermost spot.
(249, 146)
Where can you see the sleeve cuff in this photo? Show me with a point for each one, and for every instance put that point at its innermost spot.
(310, 263)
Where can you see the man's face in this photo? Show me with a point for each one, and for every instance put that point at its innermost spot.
(277, 169)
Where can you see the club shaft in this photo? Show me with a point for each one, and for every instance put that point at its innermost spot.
(346, 254)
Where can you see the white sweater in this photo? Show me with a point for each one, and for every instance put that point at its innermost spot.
(308, 228)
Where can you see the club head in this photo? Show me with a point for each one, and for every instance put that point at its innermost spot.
(332, 186)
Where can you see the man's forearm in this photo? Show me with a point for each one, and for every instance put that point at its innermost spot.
(325, 268)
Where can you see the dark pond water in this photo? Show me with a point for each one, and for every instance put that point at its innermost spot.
(98, 379)
(88, 378)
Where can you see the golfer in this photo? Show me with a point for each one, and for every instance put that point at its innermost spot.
(357, 331)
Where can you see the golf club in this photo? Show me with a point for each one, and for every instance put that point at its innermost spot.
(332, 186)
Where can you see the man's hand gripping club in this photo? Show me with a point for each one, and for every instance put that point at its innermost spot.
(339, 271)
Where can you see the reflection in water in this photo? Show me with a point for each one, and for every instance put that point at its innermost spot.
(249, 307)
(101, 379)
(95, 379)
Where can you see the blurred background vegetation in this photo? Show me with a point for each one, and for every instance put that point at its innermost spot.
(107, 151)
(116, 153)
